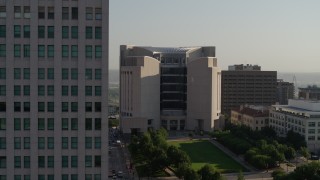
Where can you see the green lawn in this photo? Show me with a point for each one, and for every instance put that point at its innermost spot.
(203, 152)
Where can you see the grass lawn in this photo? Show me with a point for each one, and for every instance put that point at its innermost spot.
(203, 152)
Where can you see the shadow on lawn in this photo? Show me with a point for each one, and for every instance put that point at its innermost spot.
(206, 153)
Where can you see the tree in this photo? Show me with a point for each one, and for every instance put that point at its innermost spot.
(208, 172)
(295, 139)
(278, 174)
(240, 176)
(290, 153)
(191, 174)
(177, 156)
(309, 171)
(304, 152)
(182, 170)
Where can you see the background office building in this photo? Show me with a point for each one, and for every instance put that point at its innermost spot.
(53, 89)
(174, 88)
(247, 84)
(300, 116)
(309, 93)
(285, 91)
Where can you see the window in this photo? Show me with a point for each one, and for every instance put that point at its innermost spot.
(50, 32)
(41, 73)
(26, 73)
(50, 161)
(26, 142)
(41, 14)
(50, 73)
(41, 162)
(88, 74)
(26, 31)
(98, 33)
(98, 13)
(26, 106)
(88, 124)
(97, 142)
(17, 142)
(41, 142)
(97, 74)
(41, 90)
(17, 161)
(64, 143)
(88, 142)
(74, 51)
(74, 107)
(26, 50)
(88, 32)
(98, 51)
(3, 14)
(17, 90)
(64, 107)
(74, 90)
(17, 106)
(74, 176)
(26, 123)
(74, 32)
(89, 13)
(65, 73)
(41, 32)
(41, 177)
(74, 73)
(97, 161)
(74, 143)
(17, 124)
(3, 50)
(3, 107)
(2, 123)
(50, 177)
(27, 177)
(50, 12)
(50, 124)
(88, 90)
(65, 51)
(50, 89)
(17, 177)
(50, 51)
(97, 123)
(97, 177)
(88, 106)
(74, 13)
(74, 123)
(17, 31)
(50, 106)
(97, 106)
(17, 12)
(26, 12)
(17, 73)
(50, 142)
(26, 162)
(88, 161)
(64, 90)
(3, 143)
(65, 13)
(3, 162)
(3, 31)
(41, 50)
(17, 50)
(41, 123)
(41, 107)
(65, 32)
(65, 161)
(88, 51)
(2, 90)
(65, 123)
(64, 177)
(2, 73)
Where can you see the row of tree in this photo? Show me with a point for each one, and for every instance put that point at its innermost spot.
(207, 172)
(309, 171)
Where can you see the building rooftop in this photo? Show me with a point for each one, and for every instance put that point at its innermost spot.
(169, 49)
(254, 111)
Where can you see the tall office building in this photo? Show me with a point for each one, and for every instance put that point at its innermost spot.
(53, 89)
(285, 91)
(247, 84)
(174, 88)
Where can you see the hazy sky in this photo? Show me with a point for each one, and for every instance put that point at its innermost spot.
(278, 35)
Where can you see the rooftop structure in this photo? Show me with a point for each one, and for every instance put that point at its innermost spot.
(242, 67)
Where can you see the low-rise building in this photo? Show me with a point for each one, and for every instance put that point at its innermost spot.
(301, 116)
(310, 92)
(255, 117)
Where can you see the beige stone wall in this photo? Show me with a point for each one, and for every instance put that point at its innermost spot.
(204, 96)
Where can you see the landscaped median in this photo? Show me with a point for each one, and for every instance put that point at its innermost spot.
(203, 152)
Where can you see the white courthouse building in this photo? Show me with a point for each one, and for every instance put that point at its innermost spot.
(301, 116)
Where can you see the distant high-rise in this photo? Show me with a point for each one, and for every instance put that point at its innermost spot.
(174, 88)
(285, 91)
(53, 89)
(309, 93)
(247, 84)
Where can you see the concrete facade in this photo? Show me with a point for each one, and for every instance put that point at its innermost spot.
(163, 84)
(301, 116)
(54, 73)
(243, 86)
